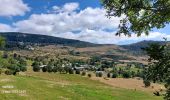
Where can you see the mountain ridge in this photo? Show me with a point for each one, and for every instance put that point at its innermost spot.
(32, 39)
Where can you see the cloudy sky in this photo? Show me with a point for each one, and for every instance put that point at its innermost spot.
(75, 19)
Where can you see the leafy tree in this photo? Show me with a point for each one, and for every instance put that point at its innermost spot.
(15, 55)
(2, 42)
(8, 72)
(140, 16)
(66, 69)
(55, 69)
(89, 75)
(77, 71)
(108, 75)
(50, 67)
(83, 73)
(36, 66)
(147, 83)
(44, 69)
(23, 68)
(71, 71)
(5, 55)
(99, 74)
(126, 75)
(114, 75)
(133, 74)
(158, 69)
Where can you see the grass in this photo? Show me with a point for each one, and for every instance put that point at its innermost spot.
(51, 86)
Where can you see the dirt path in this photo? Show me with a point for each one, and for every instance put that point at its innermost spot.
(129, 84)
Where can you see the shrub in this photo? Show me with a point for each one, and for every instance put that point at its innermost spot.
(55, 69)
(71, 71)
(108, 75)
(8, 72)
(126, 75)
(36, 68)
(157, 93)
(44, 69)
(77, 71)
(23, 68)
(89, 75)
(66, 69)
(146, 83)
(83, 73)
(114, 75)
(133, 74)
(0, 71)
(49, 68)
(100, 74)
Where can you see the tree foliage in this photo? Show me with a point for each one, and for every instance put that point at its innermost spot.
(139, 16)
(159, 67)
(2, 41)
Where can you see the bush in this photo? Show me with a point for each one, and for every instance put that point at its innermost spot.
(66, 69)
(49, 68)
(71, 71)
(157, 93)
(55, 69)
(8, 72)
(0, 71)
(77, 71)
(108, 75)
(114, 75)
(100, 74)
(36, 68)
(126, 75)
(23, 68)
(146, 83)
(89, 75)
(44, 69)
(83, 73)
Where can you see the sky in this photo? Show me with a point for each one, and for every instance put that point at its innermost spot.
(83, 20)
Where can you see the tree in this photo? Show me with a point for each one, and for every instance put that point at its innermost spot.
(108, 75)
(147, 83)
(50, 67)
(55, 69)
(36, 66)
(126, 75)
(89, 75)
(2, 42)
(83, 73)
(44, 69)
(140, 16)
(77, 71)
(71, 71)
(159, 65)
(114, 75)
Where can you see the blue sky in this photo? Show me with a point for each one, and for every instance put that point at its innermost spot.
(75, 19)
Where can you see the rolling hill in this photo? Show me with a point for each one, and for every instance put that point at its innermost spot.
(132, 52)
(16, 37)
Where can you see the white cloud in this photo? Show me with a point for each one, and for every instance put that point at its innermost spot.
(103, 37)
(5, 28)
(89, 24)
(67, 8)
(62, 22)
(12, 8)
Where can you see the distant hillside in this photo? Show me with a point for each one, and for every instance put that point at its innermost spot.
(22, 40)
(13, 38)
(136, 48)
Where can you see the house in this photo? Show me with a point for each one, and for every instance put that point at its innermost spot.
(42, 66)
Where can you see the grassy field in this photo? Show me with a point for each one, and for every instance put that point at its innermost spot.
(45, 86)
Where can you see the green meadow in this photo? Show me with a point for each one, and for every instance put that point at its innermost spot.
(53, 86)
